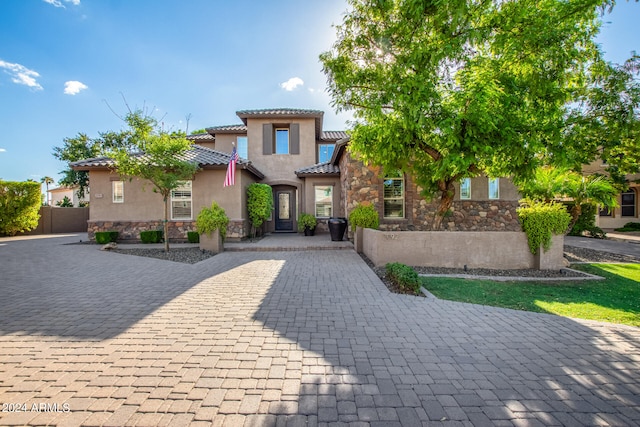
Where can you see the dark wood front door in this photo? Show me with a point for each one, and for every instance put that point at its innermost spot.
(284, 210)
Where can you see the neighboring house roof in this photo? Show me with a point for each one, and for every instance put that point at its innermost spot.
(62, 189)
(205, 157)
(325, 168)
(333, 135)
(200, 137)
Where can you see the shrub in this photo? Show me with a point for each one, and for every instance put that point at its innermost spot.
(259, 203)
(306, 220)
(587, 222)
(540, 221)
(403, 276)
(151, 236)
(193, 237)
(364, 216)
(19, 206)
(104, 237)
(630, 226)
(65, 202)
(212, 219)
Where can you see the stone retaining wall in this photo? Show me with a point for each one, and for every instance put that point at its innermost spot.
(130, 230)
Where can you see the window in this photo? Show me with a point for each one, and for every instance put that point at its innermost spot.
(281, 142)
(117, 191)
(325, 151)
(393, 198)
(494, 188)
(243, 147)
(324, 201)
(604, 211)
(465, 188)
(628, 205)
(181, 201)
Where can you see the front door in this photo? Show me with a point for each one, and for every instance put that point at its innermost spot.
(284, 210)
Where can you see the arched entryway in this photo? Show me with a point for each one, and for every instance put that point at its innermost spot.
(284, 198)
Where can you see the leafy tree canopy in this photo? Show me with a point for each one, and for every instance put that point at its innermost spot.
(447, 90)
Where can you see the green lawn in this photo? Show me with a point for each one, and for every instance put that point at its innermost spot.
(615, 299)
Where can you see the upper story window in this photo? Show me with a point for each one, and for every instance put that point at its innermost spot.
(324, 201)
(117, 191)
(243, 147)
(325, 151)
(628, 203)
(181, 201)
(494, 188)
(393, 197)
(281, 143)
(465, 188)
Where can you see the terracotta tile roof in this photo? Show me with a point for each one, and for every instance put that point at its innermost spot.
(227, 129)
(200, 137)
(333, 135)
(201, 155)
(269, 112)
(325, 168)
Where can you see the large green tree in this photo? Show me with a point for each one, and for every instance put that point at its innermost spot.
(19, 206)
(448, 90)
(156, 156)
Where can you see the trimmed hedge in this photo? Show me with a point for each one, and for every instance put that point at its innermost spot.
(104, 237)
(151, 236)
(403, 276)
(364, 216)
(630, 226)
(19, 206)
(193, 237)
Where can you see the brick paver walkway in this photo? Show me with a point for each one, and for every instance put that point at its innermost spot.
(285, 339)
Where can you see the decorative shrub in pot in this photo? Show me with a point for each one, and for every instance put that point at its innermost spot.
(307, 223)
(211, 224)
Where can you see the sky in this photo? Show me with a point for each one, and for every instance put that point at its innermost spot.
(68, 66)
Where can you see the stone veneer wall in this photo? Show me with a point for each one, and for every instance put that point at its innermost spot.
(360, 183)
(130, 230)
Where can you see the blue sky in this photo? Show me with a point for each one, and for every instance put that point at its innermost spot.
(64, 62)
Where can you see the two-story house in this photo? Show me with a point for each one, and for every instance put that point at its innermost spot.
(310, 171)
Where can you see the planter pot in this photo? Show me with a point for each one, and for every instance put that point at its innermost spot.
(211, 242)
(337, 227)
(309, 231)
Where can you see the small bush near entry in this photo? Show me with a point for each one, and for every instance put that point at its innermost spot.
(151, 236)
(364, 216)
(104, 237)
(403, 276)
(212, 219)
(193, 237)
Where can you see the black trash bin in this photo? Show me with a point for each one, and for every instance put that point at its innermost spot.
(337, 227)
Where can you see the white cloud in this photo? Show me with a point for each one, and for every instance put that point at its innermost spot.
(21, 74)
(74, 87)
(58, 3)
(292, 83)
(2, 150)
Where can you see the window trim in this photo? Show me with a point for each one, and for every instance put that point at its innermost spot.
(190, 200)
(402, 198)
(315, 200)
(114, 191)
(497, 181)
(468, 181)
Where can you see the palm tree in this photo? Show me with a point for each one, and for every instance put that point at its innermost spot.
(46, 180)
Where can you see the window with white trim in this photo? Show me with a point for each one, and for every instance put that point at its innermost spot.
(117, 191)
(181, 201)
(494, 188)
(243, 147)
(465, 188)
(281, 143)
(393, 206)
(323, 201)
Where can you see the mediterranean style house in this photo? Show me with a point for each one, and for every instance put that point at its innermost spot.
(310, 171)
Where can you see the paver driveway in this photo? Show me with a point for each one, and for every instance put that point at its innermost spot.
(286, 338)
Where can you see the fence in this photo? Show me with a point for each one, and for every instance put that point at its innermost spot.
(61, 220)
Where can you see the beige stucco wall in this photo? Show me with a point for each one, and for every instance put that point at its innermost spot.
(308, 193)
(495, 250)
(616, 220)
(142, 204)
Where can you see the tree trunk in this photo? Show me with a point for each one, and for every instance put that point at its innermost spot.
(576, 211)
(166, 224)
(447, 191)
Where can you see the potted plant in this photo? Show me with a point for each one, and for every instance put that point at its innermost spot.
(211, 224)
(307, 223)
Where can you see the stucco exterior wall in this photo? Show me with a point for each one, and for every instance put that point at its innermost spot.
(308, 198)
(494, 250)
